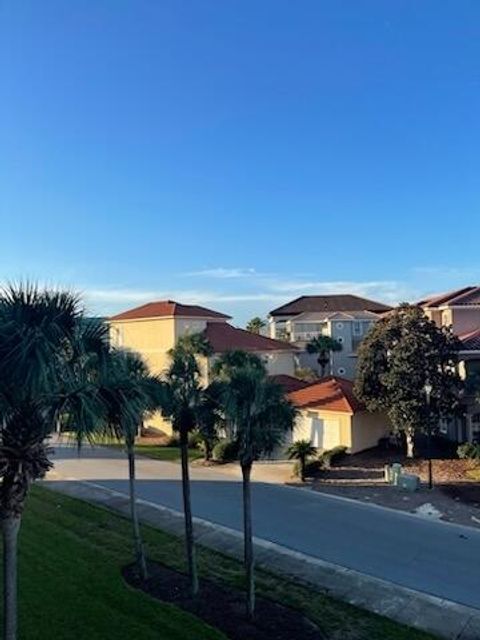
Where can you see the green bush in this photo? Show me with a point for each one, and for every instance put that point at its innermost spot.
(225, 451)
(330, 456)
(194, 440)
(173, 441)
(312, 468)
(469, 450)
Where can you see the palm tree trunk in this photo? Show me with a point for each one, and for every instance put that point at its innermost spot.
(187, 509)
(410, 443)
(248, 541)
(10, 528)
(137, 539)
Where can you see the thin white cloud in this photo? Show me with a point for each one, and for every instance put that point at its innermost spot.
(224, 273)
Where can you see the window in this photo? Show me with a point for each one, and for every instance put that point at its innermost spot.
(339, 339)
(341, 371)
(357, 328)
(339, 326)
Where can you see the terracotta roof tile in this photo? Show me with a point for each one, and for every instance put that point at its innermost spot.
(168, 308)
(330, 394)
(471, 340)
(223, 337)
(289, 383)
(329, 303)
(464, 296)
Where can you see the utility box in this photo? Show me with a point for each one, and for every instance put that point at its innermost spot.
(408, 482)
(395, 473)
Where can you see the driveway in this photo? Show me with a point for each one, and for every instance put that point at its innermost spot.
(437, 558)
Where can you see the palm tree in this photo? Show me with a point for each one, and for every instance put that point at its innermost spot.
(260, 415)
(209, 419)
(256, 324)
(301, 450)
(48, 359)
(324, 346)
(181, 403)
(129, 391)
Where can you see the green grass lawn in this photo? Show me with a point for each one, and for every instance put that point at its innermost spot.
(71, 588)
(70, 585)
(171, 454)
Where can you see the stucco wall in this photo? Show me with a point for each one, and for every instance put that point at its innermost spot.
(319, 429)
(367, 429)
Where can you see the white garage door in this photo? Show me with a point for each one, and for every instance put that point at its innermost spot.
(325, 434)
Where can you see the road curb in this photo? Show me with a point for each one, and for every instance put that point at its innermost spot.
(420, 610)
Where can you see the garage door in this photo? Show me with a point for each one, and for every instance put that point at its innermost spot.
(325, 433)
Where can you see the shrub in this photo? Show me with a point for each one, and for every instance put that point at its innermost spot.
(469, 450)
(312, 468)
(194, 440)
(330, 456)
(173, 441)
(225, 451)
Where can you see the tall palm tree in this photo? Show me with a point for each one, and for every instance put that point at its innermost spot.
(256, 324)
(301, 450)
(209, 419)
(324, 346)
(182, 399)
(261, 416)
(48, 358)
(129, 391)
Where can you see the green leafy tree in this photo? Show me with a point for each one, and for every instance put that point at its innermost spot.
(129, 392)
(323, 346)
(49, 357)
(256, 324)
(182, 402)
(399, 355)
(301, 450)
(261, 416)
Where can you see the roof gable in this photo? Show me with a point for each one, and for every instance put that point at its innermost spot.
(328, 394)
(329, 304)
(168, 308)
(459, 297)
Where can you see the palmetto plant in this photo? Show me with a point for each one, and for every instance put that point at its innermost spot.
(301, 450)
(324, 346)
(129, 392)
(182, 401)
(261, 416)
(49, 357)
(256, 324)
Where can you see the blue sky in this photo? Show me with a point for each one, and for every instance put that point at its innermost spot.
(239, 153)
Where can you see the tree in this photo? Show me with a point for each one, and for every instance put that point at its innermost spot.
(324, 346)
(209, 419)
(260, 415)
(181, 403)
(399, 355)
(129, 391)
(306, 374)
(256, 324)
(301, 450)
(48, 361)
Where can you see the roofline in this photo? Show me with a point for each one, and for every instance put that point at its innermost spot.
(319, 408)
(170, 317)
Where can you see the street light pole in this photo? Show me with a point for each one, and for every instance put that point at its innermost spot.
(428, 394)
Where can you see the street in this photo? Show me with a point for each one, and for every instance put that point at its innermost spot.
(421, 554)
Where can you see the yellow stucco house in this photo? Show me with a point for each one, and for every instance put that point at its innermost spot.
(154, 328)
(329, 415)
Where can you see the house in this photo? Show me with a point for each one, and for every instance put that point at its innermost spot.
(154, 328)
(346, 318)
(460, 309)
(329, 415)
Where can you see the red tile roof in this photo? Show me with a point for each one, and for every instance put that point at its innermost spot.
(465, 296)
(329, 394)
(223, 337)
(168, 308)
(471, 340)
(289, 383)
(329, 303)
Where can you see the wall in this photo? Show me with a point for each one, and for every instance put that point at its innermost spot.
(338, 421)
(152, 338)
(368, 428)
(465, 320)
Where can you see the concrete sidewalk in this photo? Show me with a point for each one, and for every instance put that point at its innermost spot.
(441, 617)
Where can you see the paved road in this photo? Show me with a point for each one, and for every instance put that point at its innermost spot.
(429, 556)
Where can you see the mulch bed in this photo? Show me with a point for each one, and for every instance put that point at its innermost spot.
(223, 607)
